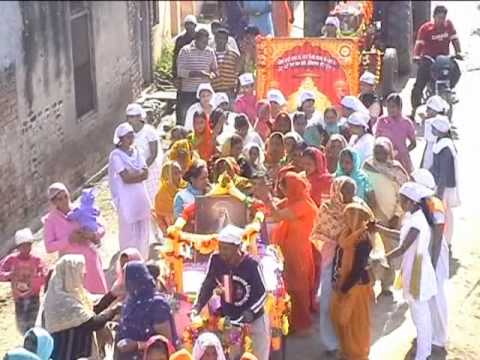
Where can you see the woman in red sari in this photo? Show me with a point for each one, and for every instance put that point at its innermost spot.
(315, 166)
(295, 214)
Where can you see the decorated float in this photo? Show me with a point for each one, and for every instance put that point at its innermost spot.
(184, 258)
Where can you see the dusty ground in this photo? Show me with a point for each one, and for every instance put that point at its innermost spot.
(394, 330)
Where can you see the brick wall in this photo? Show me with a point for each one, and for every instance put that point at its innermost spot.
(42, 140)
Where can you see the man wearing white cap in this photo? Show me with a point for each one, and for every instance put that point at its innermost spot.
(277, 102)
(148, 144)
(418, 276)
(238, 279)
(368, 97)
(332, 25)
(306, 104)
(440, 259)
(26, 273)
(435, 106)
(362, 139)
(127, 173)
(246, 102)
(445, 170)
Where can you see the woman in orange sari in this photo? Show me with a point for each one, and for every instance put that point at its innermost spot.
(282, 13)
(295, 214)
(202, 137)
(353, 293)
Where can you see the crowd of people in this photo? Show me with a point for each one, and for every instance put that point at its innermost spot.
(332, 183)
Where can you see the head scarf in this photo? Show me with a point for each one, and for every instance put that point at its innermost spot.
(67, 303)
(118, 288)
(261, 155)
(44, 342)
(144, 305)
(182, 146)
(271, 157)
(391, 168)
(203, 142)
(203, 342)
(155, 339)
(20, 354)
(360, 178)
(55, 189)
(282, 116)
(120, 131)
(297, 188)
(263, 125)
(332, 159)
(181, 355)
(167, 190)
(320, 179)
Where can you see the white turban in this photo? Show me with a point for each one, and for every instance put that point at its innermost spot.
(425, 178)
(275, 95)
(190, 19)
(413, 191)
(219, 98)
(332, 20)
(23, 236)
(353, 103)
(306, 95)
(246, 79)
(437, 104)
(441, 123)
(204, 341)
(134, 110)
(231, 234)
(55, 189)
(359, 119)
(368, 78)
(204, 86)
(121, 130)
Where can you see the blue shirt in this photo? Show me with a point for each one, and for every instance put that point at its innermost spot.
(184, 198)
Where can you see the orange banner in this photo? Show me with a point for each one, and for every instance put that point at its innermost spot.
(328, 67)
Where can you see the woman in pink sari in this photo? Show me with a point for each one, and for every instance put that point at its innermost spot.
(66, 237)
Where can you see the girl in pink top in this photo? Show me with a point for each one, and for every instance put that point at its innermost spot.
(66, 237)
(246, 103)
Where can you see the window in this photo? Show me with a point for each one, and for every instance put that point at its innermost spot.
(155, 12)
(82, 57)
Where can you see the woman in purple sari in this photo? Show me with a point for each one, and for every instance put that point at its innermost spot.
(145, 313)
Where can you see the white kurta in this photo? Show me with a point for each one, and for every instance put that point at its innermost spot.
(430, 140)
(143, 138)
(419, 307)
(363, 145)
(130, 200)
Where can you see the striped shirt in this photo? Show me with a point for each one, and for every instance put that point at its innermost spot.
(226, 80)
(192, 59)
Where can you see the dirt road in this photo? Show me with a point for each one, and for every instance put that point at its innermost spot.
(394, 330)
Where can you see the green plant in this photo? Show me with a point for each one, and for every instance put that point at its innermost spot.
(163, 67)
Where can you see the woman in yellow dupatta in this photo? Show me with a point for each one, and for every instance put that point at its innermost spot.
(170, 183)
(353, 294)
(183, 153)
(386, 176)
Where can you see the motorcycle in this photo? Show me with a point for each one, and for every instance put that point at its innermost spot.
(439, 84)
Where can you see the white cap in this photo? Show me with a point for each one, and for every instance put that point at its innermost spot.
(332, 20)
(437, 104)
(23, 236)
(231, 234)
(219, 98)
(425, 178)
(134, 110)
(204, 86)
(359, 119)
(441, 123)
(122, 130)
(275, 95)
(368, 78)
(190, 19)
(306, 95)
(353, 103)
(246, 79)
(55, 189)
(413, 191)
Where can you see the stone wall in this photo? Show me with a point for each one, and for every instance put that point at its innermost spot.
(41, 138)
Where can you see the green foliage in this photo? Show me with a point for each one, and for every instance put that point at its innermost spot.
(163, 67)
